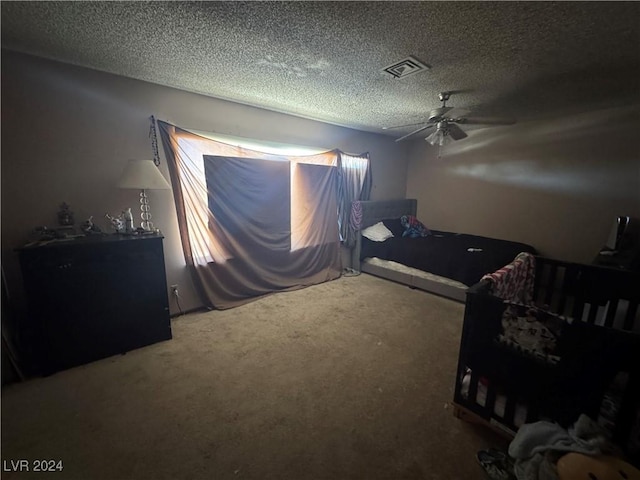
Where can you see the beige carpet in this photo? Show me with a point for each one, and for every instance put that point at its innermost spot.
(349, 379)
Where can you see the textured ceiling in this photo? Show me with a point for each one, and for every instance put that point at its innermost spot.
(324, 60)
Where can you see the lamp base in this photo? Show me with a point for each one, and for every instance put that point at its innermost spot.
(146, 223)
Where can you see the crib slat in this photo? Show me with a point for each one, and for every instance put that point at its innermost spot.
(593, 310)
(473, 386)
(491, 399)
(611, 314)
(629, 320)
(510, 410)
(630, 399)
(542, 266)
(551, 283)
(578, 307)
(567, 286)
(562, 300)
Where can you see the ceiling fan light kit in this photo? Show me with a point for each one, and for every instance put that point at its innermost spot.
(440, 137)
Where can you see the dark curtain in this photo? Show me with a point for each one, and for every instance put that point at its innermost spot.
(250, 199)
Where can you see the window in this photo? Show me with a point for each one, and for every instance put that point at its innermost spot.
(254, 222)
(303, 165)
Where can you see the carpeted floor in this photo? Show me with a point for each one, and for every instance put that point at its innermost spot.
(349, 379)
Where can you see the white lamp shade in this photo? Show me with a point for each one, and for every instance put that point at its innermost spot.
(143, 175)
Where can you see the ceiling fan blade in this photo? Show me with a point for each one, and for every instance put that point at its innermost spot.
(463, 90)
(414, 132)
(403, 126)
(456, 132)
(439, 112)
(456, 113)
(485, 121)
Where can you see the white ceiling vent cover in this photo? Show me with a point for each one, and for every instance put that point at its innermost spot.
(406, 67)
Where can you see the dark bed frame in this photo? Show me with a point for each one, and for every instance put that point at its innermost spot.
(372, 213)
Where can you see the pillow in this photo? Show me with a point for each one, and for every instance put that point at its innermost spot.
(395, 225)
(413, 228)
(377, 232)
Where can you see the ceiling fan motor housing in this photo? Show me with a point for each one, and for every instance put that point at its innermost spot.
(436, 114)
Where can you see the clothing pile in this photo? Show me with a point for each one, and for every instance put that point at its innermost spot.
(537, 447)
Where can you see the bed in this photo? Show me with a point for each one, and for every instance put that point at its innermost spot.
(444, 263)
(577, 350)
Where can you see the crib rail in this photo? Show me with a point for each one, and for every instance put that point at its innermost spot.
(593, 294)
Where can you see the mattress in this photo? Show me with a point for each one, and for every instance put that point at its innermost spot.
(415, 278)
(398, 267)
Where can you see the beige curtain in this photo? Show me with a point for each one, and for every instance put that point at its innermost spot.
(242, 235)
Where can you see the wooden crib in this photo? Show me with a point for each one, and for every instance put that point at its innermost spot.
(597, 367)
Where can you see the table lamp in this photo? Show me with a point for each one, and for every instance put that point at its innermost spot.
(143, 175)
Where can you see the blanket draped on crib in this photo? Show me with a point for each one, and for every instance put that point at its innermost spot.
(514, 282)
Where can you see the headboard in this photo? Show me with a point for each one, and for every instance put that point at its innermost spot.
(375, 211)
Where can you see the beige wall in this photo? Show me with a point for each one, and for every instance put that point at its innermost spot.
(555, 183)
(67, 133)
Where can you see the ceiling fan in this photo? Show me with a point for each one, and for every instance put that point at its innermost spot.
(445, 120)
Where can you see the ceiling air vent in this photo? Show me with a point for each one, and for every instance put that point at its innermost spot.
(406, 67)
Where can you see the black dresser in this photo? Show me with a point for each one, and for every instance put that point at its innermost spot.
(94, 297)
